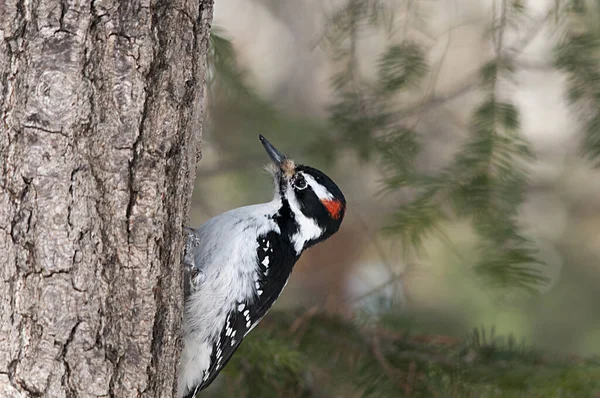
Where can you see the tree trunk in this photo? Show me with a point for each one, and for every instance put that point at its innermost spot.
(101, 106)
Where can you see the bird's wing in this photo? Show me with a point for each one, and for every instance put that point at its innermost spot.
(274, 271)
(276, 258)
(237, 325)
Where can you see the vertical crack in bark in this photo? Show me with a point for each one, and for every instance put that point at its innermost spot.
(66, 379)
(14, 47)
(116, 360)
(71, 200)
(136, 155)
(15, 41)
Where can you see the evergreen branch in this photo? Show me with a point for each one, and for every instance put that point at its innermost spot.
(413, 221)
(577, 56)
(224, 68)
(401, 65)
(485, 183)
(343, 358)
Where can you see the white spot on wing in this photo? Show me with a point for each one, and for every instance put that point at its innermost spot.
(265, 262)
(228, 328)
(241, 307)
(252, 327)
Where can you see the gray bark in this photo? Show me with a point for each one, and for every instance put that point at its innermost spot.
(101, 105)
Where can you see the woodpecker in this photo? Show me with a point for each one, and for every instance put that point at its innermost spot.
(237, 264)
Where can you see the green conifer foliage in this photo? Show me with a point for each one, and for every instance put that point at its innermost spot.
(484, 183)
(577, 55)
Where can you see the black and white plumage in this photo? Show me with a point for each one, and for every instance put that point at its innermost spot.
(238, 263)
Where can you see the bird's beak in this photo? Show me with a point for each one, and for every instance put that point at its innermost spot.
(277, 157)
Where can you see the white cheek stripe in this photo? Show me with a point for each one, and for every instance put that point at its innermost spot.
(321, 192)
(307, 227)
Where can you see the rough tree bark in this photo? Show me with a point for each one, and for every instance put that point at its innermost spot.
(101, 105)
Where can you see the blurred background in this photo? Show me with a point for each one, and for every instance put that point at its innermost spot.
(465, 136)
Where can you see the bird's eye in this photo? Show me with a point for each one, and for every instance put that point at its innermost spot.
(300, 182)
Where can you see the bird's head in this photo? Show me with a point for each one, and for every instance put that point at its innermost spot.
(312, 202)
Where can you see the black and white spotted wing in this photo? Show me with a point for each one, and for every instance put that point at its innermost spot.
(238, 323)
(272, 277)
(274, 270)
(236, 326)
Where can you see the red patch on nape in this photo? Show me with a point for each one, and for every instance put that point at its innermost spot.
(334, 207)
